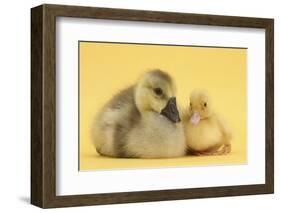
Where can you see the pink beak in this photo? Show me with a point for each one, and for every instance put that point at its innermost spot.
(195, 118)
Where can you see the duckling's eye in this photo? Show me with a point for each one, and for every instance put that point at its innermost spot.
(158, 91)
(205, 104)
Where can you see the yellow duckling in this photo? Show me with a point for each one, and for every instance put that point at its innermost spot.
(206, 133)
(141, 121)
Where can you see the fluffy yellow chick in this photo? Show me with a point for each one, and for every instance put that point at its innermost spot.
(206, 133)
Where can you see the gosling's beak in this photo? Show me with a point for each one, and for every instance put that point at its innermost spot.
(171, 111)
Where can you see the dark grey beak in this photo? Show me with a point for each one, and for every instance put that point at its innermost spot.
(171, 111)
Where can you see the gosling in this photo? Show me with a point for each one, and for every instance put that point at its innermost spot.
(141, 121)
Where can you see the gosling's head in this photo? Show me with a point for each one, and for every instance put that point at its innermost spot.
(199, 106)
(155, 92)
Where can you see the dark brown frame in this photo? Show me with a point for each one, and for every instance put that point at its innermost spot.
(43, 105)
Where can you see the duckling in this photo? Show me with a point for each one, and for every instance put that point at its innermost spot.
(141, 121)
(206, 132)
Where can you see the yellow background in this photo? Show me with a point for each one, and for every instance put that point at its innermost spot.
(106, 68)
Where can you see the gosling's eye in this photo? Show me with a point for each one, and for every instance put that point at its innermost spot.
(158, 91)
(205, 104)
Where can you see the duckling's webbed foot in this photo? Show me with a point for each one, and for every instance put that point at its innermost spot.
(223, 150)
(226, 148)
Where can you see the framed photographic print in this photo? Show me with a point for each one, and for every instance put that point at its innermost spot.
(136, 106)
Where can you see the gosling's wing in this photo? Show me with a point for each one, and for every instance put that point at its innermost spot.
(117, 118)
(122, 99)
(120, 109)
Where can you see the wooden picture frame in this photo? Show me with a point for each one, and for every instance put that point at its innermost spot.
(43, 105)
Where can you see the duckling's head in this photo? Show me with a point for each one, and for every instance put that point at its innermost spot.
(199, 106)
(155, 92)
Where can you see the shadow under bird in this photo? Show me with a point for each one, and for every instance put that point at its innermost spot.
(141, 121)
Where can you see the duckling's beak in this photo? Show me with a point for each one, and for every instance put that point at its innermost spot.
(195, 118)
(171, 111)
